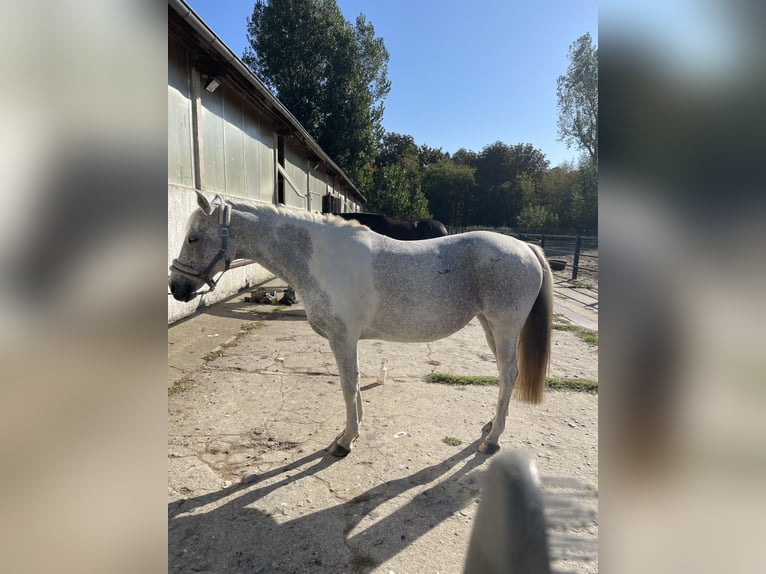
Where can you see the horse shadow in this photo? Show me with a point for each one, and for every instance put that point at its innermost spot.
(236, 536)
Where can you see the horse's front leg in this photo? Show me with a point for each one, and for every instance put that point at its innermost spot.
(346, 357)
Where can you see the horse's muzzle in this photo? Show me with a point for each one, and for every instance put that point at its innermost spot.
(182, 289)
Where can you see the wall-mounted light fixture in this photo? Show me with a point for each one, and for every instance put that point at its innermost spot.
(212, 84)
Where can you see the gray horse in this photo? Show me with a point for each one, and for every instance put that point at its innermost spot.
(356, 284)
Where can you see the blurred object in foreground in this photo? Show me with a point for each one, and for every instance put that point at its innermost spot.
(682, 232)
(522, 526)
(82, 281)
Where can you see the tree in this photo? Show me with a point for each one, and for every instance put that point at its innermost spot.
(398, 149)
(587, 188)
(577, 93)
(400, 166)
(392, 196)
(537, 219)
(465, 157)
(331, 75)
(558, 195)
(448, 187)
(429, 156)
(397, 174)
(500, 187)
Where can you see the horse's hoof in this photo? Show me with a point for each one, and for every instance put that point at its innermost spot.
(486, 428)
(488, 447)
(337, 449)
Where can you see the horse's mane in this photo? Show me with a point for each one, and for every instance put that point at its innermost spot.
(295, 214)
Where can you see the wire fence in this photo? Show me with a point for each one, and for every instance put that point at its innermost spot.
(575, 256)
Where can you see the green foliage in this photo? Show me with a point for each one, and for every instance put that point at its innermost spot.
(448, 185)
(577, 93)
(395, 185)
(537, 219)
(587, 189)
(503, 174)
(393, 196)
(429, 156)
(330, 74)
(398, 149)
(465, 157)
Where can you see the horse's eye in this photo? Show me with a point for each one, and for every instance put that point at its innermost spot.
(192, 239)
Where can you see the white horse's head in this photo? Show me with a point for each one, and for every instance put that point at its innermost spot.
(207, 249)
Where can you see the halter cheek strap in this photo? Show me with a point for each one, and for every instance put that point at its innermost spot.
(224, 220)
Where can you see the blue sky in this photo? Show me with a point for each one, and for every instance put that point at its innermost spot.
(463, 74)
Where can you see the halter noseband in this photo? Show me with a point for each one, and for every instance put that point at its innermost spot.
(224, 220)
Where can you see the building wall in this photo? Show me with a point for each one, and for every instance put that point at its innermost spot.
(296, 167)
(236, 160)
(317, 188)
(235, 156)
(180, 155)
(237, 149)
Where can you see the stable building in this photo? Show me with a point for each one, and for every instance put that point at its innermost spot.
(229, 135)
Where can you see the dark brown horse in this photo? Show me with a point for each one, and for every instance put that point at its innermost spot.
(403, 230)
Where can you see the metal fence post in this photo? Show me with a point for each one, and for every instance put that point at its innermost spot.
(576, 261)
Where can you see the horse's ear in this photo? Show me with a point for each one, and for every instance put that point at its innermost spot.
(203, 203)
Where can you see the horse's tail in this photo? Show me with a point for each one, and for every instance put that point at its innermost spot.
(534, 347)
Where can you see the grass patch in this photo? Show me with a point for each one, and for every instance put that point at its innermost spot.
(212, 355)
(553, 383)
(180, 385)
(452, 441)
(587, 335)
(581, 385)
(276, 310)
(250, 326)
(461, 380)
(590, 338)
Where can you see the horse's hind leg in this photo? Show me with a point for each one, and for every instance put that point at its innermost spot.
(505, 351)
(488, 334)
(348, 367)
(491, 342)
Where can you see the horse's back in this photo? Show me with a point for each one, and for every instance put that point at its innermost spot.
(466, 255)
(429, 289)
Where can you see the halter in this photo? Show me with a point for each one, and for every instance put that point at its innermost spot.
(224, 220)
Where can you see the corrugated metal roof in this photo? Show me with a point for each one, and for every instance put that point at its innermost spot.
(215, 44)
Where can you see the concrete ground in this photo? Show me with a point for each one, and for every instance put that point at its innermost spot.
(254, 399)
